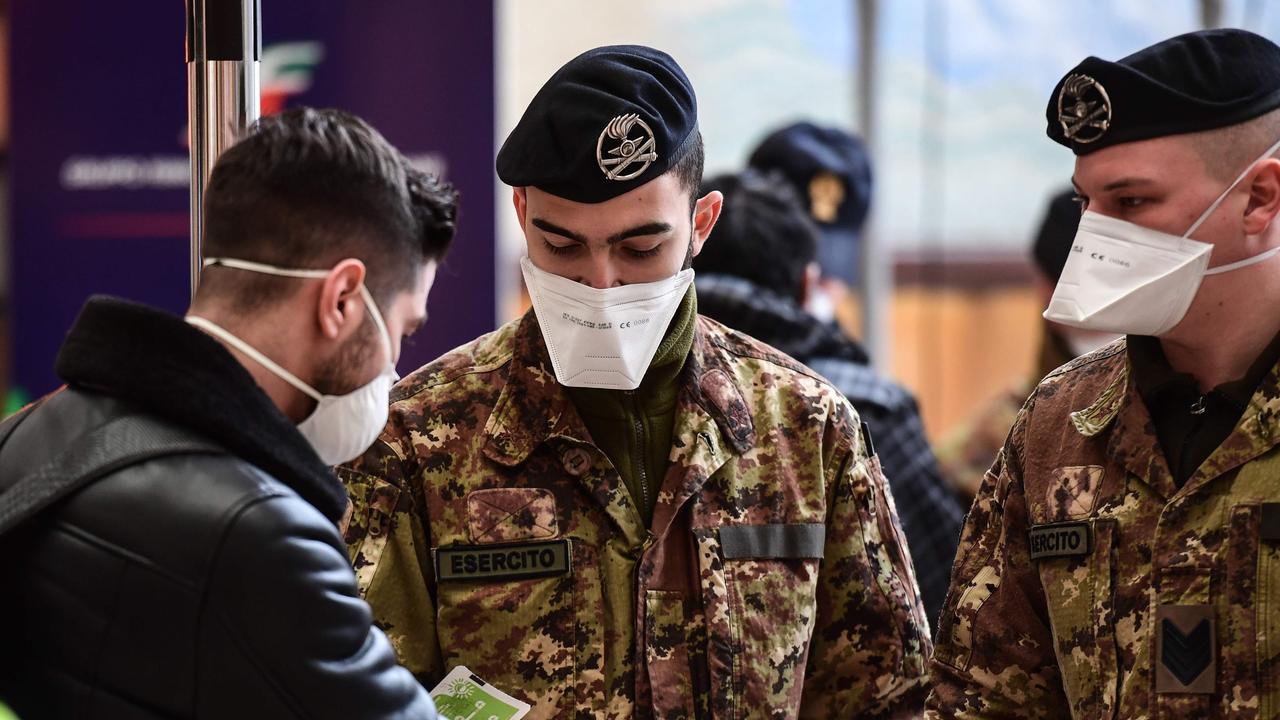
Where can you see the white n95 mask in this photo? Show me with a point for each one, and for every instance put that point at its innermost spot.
(602, 338)
(342, 426)
(1125, 278)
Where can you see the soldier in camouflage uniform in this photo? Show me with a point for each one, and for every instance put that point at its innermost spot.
(714, 539)
(1122, 555)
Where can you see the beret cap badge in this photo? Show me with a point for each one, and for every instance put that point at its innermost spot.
(1084, 109)
(625, 157)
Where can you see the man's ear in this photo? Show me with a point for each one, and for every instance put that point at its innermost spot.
(1264, 197)
(520, 198)
(706, 211)
(339, 305)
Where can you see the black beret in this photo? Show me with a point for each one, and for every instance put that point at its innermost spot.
(609, 121)
(831, 171)
(1197, 81)
(1057, 234)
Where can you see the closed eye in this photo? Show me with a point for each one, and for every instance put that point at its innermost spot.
(645, 253)
(559, 249)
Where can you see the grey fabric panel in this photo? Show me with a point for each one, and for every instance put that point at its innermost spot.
(772, 541)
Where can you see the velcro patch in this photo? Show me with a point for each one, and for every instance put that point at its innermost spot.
(498, 563)
(1269, 527)
(1186, 644)
(1068, 539)
(773, 541)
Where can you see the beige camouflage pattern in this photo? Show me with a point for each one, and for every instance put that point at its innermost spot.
(483, 446)
(1075, 636)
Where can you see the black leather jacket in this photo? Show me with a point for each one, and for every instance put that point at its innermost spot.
(189, 586)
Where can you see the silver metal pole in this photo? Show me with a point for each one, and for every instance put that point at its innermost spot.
(224, 46)
(875, 271)
(1210, 14)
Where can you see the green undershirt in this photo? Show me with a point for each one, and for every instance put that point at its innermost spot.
(633, 427)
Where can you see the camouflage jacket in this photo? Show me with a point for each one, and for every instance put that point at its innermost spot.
(1089, 585)
(774, 580)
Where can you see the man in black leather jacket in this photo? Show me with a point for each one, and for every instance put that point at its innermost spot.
(215, 583)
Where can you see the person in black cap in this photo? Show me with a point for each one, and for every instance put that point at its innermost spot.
(763, 218)
(612, 506)
(830, 170)
(1121, 557)
(966, 453)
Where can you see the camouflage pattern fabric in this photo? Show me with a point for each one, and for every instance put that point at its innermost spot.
(485, 459)
(1076, 634)
(966, 453)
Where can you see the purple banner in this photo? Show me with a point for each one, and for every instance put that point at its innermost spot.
(99, 165)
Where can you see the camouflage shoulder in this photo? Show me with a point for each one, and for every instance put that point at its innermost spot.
(814, 398)
(744, 346)
(485, 354)
(1106, 354)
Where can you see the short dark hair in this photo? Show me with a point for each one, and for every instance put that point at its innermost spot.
(435, 211)
(308, 188)
(763, 235)
(688, 167)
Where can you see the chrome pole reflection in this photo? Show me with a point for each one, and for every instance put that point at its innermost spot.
(224, 47)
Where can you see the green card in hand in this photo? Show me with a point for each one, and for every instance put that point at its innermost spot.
(464, 696)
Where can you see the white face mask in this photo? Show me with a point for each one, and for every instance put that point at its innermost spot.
(342, 426)
(602, 338)
(1125, 278)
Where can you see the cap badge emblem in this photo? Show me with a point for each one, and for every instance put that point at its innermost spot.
(826, 195)
(626, 156)
(1084, 110)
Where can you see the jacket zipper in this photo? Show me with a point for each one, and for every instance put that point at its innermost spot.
(1196, 411)
(641, 477)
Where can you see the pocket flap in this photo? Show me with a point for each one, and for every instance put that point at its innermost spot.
(773, 541)
(502, 515)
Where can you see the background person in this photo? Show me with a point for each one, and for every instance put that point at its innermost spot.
(967, 452)
(755, 275)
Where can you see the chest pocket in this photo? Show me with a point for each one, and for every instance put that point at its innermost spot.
(508, 590)
(759, 586)
(1079, 587)
(1252, 610)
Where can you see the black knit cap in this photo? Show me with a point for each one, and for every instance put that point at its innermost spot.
(609, 121)
(1197, 81)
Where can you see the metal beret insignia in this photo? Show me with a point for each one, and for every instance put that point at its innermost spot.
(625, 157)
(1084, 110)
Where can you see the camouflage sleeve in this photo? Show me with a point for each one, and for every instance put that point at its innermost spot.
(995, 657)
(870, 638)
(391, 554)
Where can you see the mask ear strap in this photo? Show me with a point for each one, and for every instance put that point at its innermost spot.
(1264, 255)
(264, 269)
(257, 267)
(377, 320)
(1214, 206)
(244, 347)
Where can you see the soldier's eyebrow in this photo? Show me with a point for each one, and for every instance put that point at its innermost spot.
(554, 229)
(1126, 183)
(650, 228)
